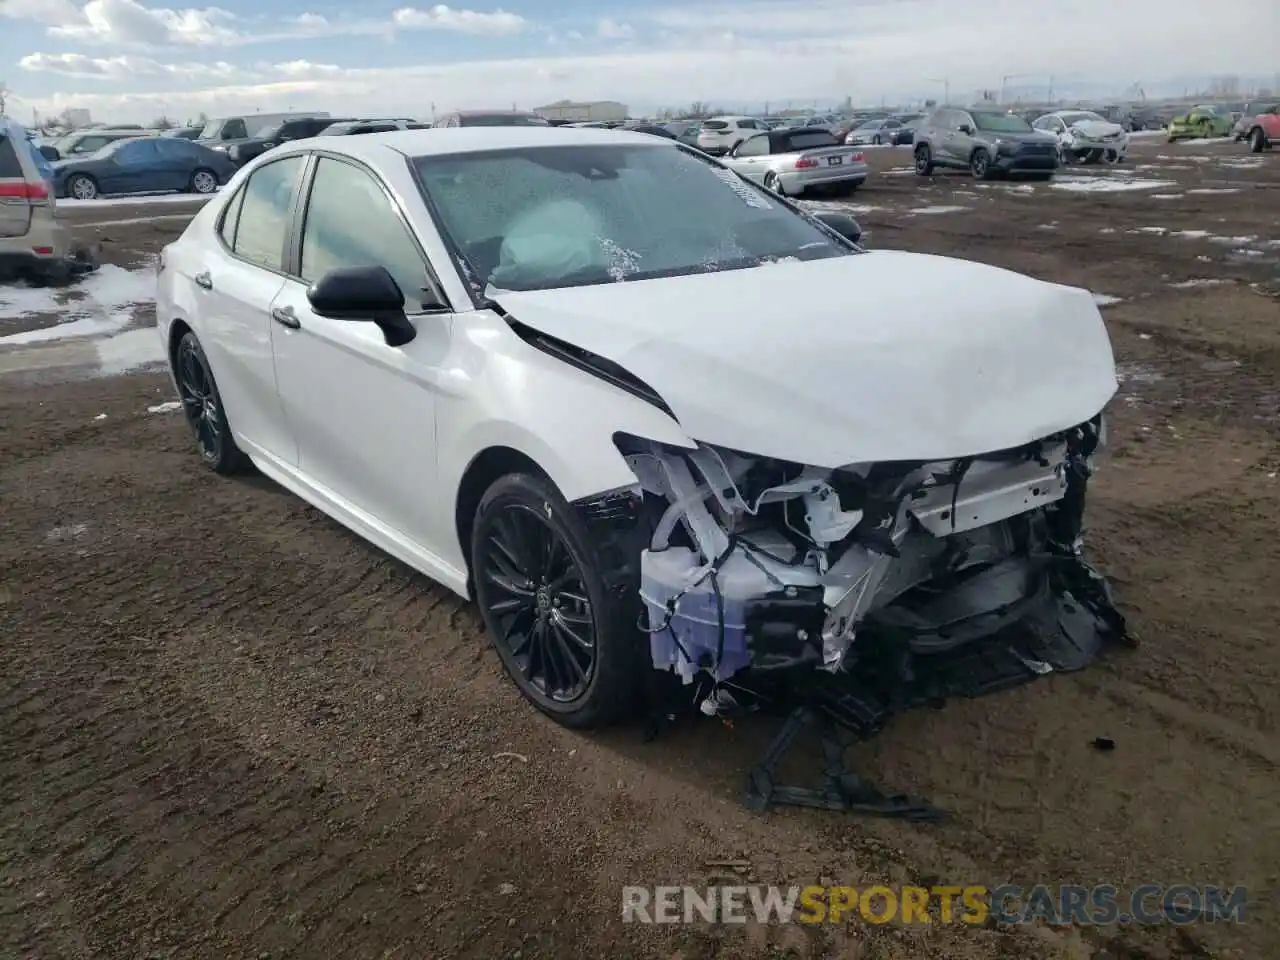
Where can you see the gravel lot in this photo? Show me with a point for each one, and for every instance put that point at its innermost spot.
(229, 729)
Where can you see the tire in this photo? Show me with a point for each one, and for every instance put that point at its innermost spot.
(1257, 140)
(980, 165)
(81, 186)
(771, 182)
(521, 520)
(203, 181)
(924, 161)
(203, 409)
(1093, 156)
(876, 141)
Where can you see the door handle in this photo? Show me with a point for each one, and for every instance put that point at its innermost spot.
(203, 280)
(286, 317)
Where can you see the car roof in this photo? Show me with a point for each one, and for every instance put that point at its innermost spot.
(437, 141)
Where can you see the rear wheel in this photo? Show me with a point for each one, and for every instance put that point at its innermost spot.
(1257, 140)
(566, 638)
(202, 406)
(980, 165)
(772, 182)
(924, 161)
(203, 181)
(82, 187)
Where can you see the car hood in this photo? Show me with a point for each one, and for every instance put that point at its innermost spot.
(939, 358)
(1097, 128)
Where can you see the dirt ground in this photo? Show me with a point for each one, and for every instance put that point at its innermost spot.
(230, 729)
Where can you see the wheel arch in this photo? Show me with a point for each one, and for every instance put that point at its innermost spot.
(486, 468)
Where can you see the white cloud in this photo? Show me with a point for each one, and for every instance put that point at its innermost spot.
(610, 29)
(41, 11)
(441, 17)
(130, 24)
(125, 67)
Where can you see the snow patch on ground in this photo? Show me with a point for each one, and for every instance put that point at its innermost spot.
(1192, 234)
(1242, 163)
(1105, 300)
(102, 303)
(1167, 196)
(898, 172)
(133, 198)
(129, 351)
(1199, 282)
(1214, 190)
(940, 209)
(169, 406)
(1232, 240)
(1107, 184)
(1158, 231)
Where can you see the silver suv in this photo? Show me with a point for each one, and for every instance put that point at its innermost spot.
(32, 240)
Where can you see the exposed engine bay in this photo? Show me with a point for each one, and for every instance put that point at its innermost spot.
(758, 567)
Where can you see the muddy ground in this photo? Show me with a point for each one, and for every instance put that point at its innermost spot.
(230, 729)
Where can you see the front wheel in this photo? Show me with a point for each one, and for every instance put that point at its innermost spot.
(924, 161)
(202, 405)
(82, 187)
(876, 141)
(1257, 140)
(203, 181)
(568, 639)
(980, 165)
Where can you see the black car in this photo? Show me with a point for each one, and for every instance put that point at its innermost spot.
(349, 128)
(299, 128)
(491, 118)
(652, 129)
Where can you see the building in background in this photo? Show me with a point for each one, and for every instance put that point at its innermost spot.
(576, 112)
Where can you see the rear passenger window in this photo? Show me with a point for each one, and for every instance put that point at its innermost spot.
(10, 168)
(351, 222)
(231, 219)
(266, 212)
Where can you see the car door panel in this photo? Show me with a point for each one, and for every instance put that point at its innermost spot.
(363, 413)
(241, 279)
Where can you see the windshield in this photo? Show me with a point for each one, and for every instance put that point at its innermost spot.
(502, 120)
(1000, 123)
(1082, 115)
(541, 218)
(269, 132)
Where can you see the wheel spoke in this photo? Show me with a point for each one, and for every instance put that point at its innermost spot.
(567, 652)
(564, 627)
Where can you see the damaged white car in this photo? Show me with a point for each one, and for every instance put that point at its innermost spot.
(1085, 136)
(593, 380)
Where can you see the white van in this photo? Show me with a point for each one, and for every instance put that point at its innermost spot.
(225, 132)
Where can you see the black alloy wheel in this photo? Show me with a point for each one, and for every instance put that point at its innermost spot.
(562, 623)
(203, 409)
(534, 593)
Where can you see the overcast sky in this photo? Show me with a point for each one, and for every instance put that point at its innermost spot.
(129, 62)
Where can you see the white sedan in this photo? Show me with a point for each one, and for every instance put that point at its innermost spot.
(595, 380)
(1084, 135)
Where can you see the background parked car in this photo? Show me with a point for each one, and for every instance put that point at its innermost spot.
(985, 142)
(653, 129)
(351, 128)
(907, 131)
(719, 135)
(1264, 129)
(32, 240)
(227, 132)
(1248, 119)
(791, 161)
(875, 132)
(1205, 121)
(183, 133)
(299, 128)
(491, 118)
(143, 165)
(85, 142)
(1084, 135)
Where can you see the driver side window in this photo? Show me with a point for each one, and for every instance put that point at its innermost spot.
(757, 146)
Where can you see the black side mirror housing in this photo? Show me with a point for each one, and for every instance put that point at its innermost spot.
(842, 224)
(368, 294)
(49, 153)
(966, 129)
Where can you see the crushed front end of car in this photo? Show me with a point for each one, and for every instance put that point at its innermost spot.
(856, 592)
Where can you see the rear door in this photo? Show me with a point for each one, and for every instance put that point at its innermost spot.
(15, 203)
(751, 159)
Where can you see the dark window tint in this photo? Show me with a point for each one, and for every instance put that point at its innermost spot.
(92, 144)
(137, 152)
(811, 141)
(234, 130)
(502, 120)
(351, 222)
(10, 168)
(174, 149)
(267, 212)
(230, 219)
(714, 125)
(757, 146)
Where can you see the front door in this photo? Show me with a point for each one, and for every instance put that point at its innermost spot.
(363, 413)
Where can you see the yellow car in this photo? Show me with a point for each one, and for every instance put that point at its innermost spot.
(1201, 122)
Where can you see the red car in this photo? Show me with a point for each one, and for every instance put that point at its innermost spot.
(1264, 132)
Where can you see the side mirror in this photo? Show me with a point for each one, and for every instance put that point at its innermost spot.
(966, 129)
(50, 153)
(368, 294)
(842, 224)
